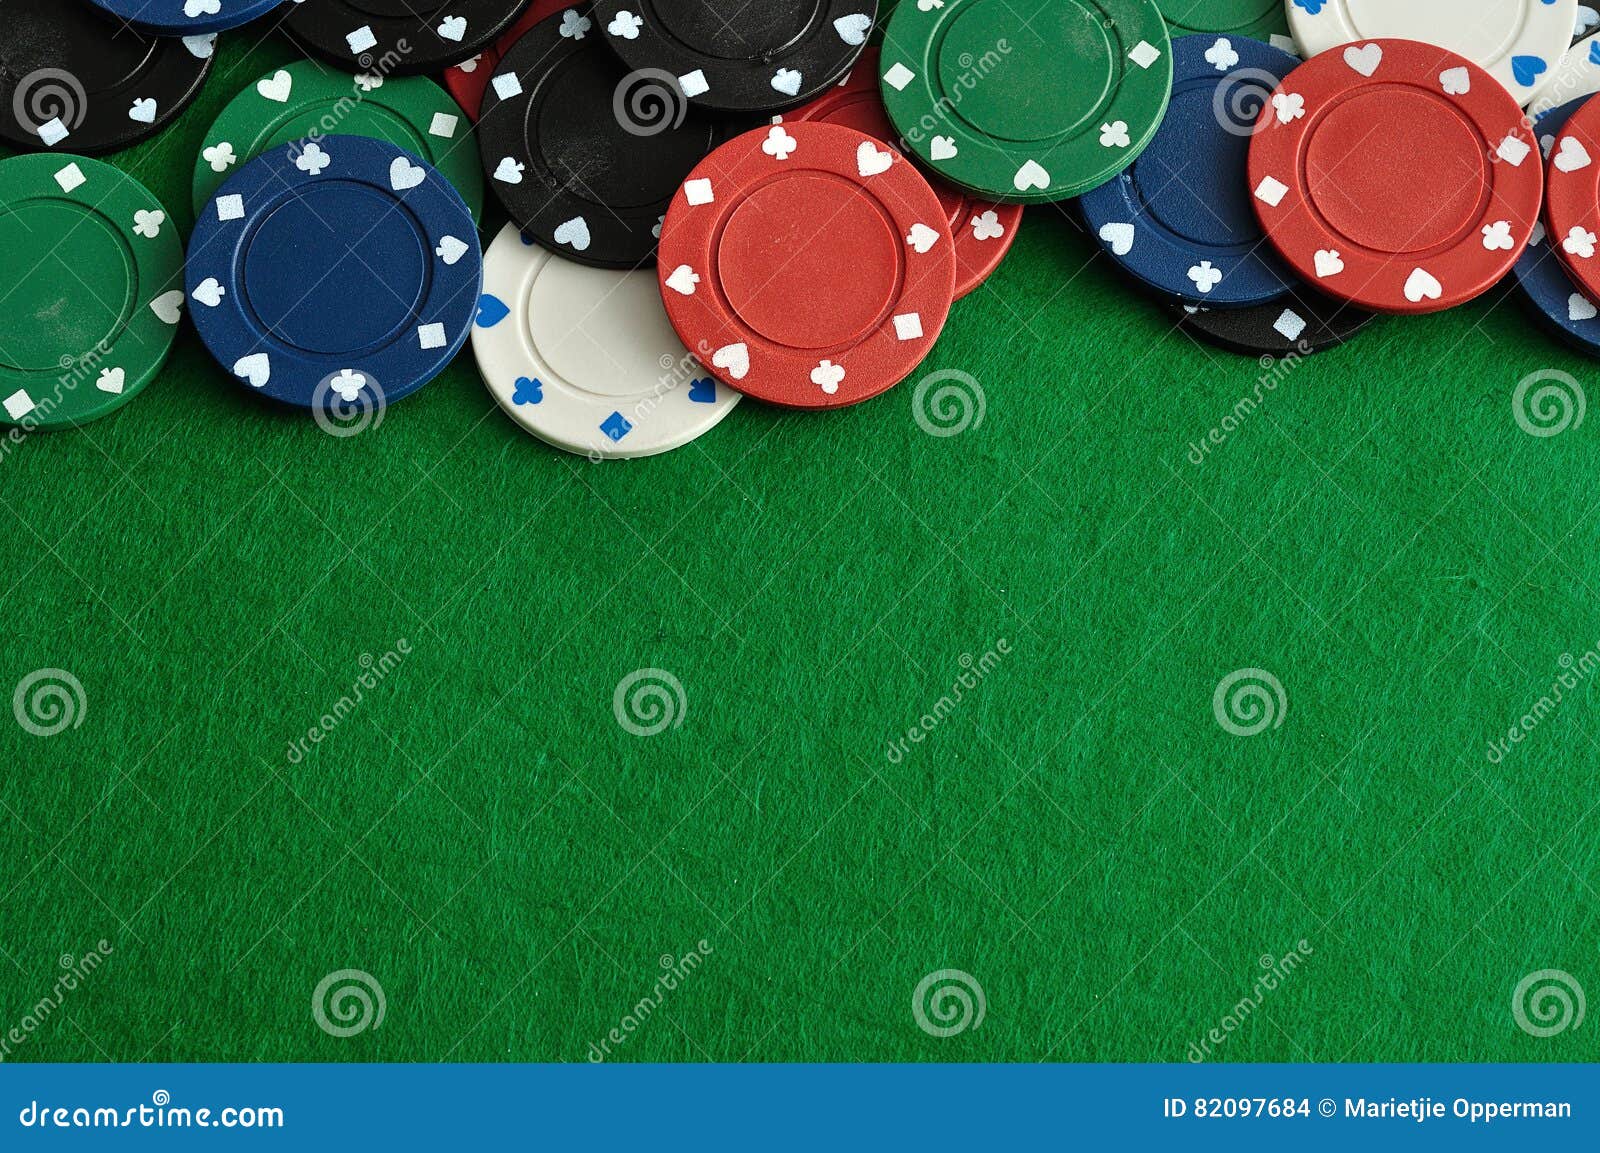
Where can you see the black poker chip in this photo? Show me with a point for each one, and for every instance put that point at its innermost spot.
(753, 56)
(399, 37)
(75, 80)
(584, 154)
(1302, 323)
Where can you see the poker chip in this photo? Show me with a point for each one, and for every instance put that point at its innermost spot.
(807, 265)
(94, 292)
(74, 80)
(1572, 202)
(1179, 219)
(1542, 279)
(1395, 175)
(185, 17)
(750, 58)
(398, 37)
(344, 272)
(983, 231)
(1260, 19)
(584, 358)
(583, 154)
(1297, 325)
(1516, 43)
(1577, 75)
(1076, 95)
(467, 81)
(300, 102)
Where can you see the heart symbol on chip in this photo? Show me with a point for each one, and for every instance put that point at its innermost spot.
(574, 232)
(168, 306)
(143, 111)
(929, 5)
(1364, 59)
(450, 249)
(1119, 237)
(853, 29)
(1571, 155)
(1328, 262)
(1580, 307)
(682, 280)
(209, 293)
(201, 47)
(403, 174)
(276, 87)
(921, 237)
(942, 148)
(491, 311)
(1422, 285)
(871, 162)
(452, 28)
(1031, 175)
(733, 359)
(256, 369)
(787, 81)
(1455, 81)
(112, 381)
(196, 8)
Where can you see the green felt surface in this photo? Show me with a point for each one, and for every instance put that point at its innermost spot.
(1079, 833)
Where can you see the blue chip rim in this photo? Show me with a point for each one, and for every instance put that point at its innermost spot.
(1245, 273)
(167, 18)
(416, 350)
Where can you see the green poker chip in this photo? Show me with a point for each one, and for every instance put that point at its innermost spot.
(304, 102)
(93, 291)
(1034, 101)
(1260, 19)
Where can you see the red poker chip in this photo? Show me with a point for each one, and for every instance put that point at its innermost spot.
(1396, 175)
(983, 231)
(807, 265)
(469, 80)
(1572, 207)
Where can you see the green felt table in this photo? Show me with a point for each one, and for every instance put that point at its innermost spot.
(1050, 598)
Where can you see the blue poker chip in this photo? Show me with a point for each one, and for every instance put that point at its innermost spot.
(338, 275)
(1179, 219)
(187, 17)
(1540, 276)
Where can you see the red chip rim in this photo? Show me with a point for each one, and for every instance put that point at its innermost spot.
(1361, 173)
(804, 257)
(1572, 206)
(857, 102)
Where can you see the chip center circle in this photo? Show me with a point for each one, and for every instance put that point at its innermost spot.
(49, 314)
(350, 244)
(810, 261)
(1190, 181)
(1392, 190)
(1039, 82)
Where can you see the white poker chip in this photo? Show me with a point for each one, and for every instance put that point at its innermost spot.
(584, 359)
(1576, 76)
(1519, 42)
